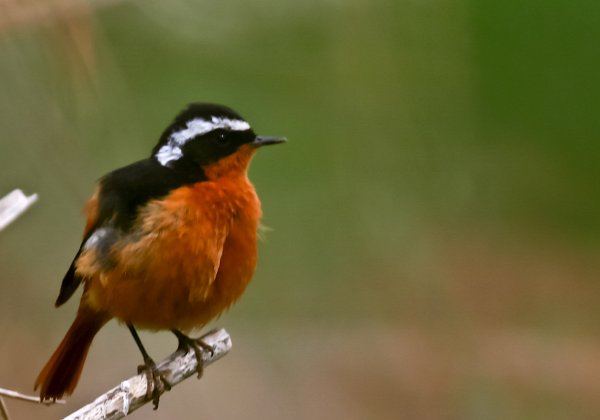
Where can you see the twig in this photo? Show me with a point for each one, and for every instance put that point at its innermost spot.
(130, 394)
(3, 410)
(13, 205)
(18, 14)
(24, 397)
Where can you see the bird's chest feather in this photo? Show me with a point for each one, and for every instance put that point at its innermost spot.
(188, 258)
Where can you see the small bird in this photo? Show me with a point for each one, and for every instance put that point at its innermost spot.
(169, 243)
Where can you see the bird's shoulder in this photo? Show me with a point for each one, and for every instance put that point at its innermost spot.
(122, 192)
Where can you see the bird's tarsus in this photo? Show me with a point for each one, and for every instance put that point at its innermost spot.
(157, 383)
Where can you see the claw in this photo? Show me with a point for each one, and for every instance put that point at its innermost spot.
(156, 381)
(197, 345)
(211, 349)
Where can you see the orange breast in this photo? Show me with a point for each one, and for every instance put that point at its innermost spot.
(188, 258)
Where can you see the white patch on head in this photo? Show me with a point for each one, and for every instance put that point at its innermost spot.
(196, 127)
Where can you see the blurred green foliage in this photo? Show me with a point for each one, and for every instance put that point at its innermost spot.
(441, 175)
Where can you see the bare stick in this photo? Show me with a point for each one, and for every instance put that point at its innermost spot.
(13, 205)
(24, 397)
(130, 394)
(3, 410)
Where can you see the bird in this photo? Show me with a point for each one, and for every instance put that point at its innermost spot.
(170, 242)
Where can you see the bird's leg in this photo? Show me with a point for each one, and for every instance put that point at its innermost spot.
(157, 383)
(197, 345)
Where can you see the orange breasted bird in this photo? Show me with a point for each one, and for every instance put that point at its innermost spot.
(169, 243)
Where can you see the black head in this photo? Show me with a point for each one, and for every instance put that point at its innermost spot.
(204, 133)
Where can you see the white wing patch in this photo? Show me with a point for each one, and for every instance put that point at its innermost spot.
(96, 237)
(196, 127)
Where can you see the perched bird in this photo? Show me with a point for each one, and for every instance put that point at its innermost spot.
(169, 243)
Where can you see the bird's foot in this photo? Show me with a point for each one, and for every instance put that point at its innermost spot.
(157, 384)
(197, 345)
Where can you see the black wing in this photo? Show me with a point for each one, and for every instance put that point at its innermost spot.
(121, 194)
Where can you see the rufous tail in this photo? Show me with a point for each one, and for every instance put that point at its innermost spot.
(62, 371)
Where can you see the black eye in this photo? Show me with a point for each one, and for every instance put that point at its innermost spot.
(222, 139)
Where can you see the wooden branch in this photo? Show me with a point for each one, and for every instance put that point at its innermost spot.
(3, 410)
(130, 394)
(24, 397)
(13, 205)
(18, 14)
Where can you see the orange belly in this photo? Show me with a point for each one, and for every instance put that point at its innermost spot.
(187, 259)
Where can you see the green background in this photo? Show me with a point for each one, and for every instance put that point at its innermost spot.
(434, 217)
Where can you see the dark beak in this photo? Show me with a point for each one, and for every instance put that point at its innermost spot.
(266, 140)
